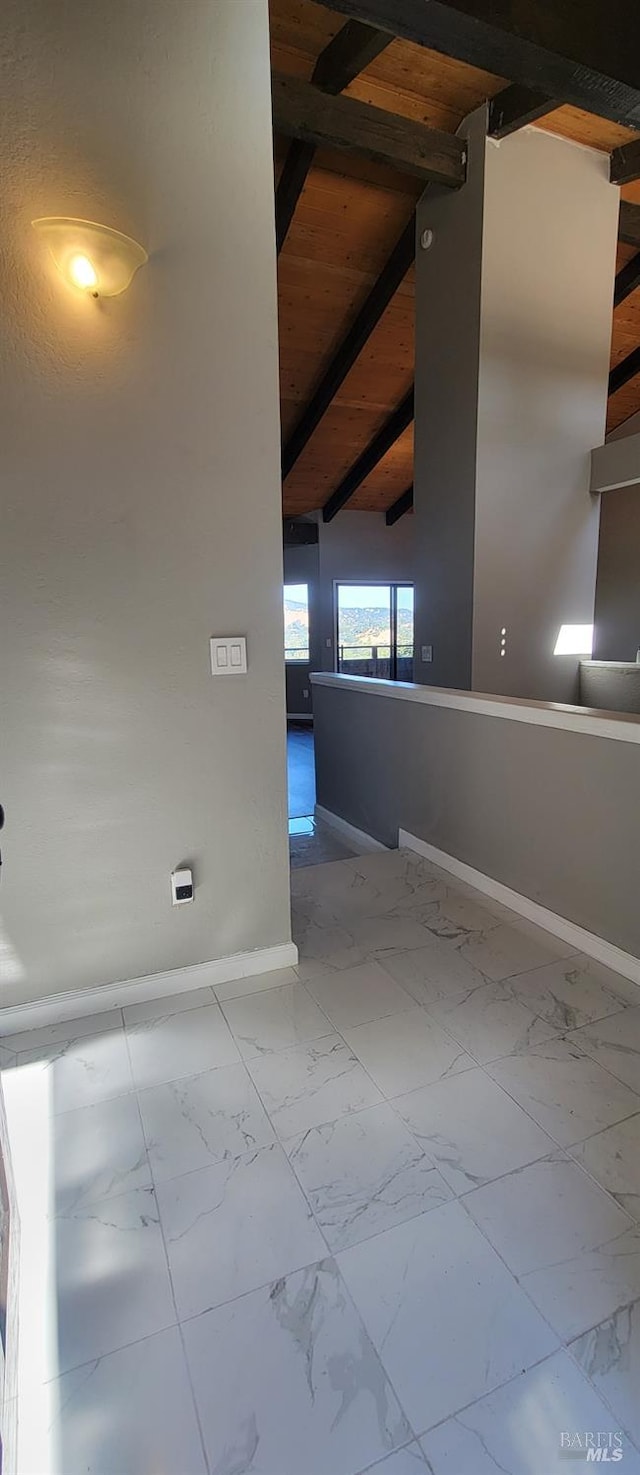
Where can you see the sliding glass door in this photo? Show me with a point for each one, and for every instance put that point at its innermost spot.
(374, 629)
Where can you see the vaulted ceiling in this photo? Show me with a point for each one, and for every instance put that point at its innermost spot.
(348, 218)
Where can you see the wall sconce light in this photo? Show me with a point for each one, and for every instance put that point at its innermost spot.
(92, 257)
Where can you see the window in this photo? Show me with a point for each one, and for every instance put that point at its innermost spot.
(375, 630)
(296, 622)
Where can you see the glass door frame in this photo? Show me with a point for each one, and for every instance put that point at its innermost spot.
(392, 585)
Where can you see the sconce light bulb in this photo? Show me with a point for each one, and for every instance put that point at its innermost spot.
(82, 273)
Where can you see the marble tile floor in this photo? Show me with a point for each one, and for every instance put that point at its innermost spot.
(377, 1213)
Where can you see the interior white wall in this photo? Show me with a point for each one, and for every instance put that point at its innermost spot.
(141, 491)
(545, 335)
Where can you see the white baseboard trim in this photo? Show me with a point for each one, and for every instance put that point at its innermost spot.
(578, 937)
(78, 1002)
(365, 843)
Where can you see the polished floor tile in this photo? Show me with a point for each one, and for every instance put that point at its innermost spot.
(169, 1047)
(81, 1072)
(610, 1356)
(274, 1019)
(182, 1003)
(130, 1411)
(287, 1381)
(519, 1429)
(613, 1159)
(615, 1044)
(434, 972)
(564, 1090)
(312, 1084)
(574, 992)
(471, 1129)
(257, 1111)
(364, 1173)
(407, 1461)
(511, 948)
(571, 1247)
(67, 1030)
(405, 1051)
(231, 1228)
(460, 918)
(98, 1151)
(202, 1120)
(490, 1022)
(358, 995)
(112, 1281)
(446, 1316)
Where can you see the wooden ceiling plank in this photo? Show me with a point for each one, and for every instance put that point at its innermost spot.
(573, 52)
(354, 47)
(627, 279)
(625, 163)
(399, 507)
(516, 106)
(393, 427)
(302, 111)
(628, 369)
(370, 313)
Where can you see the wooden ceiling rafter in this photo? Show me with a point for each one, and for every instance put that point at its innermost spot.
(411, 83)
(302, 111)
(515, 107)
(378, 299)
(384, 438)
(629, 223)
(354, 47)
(402, 504)
(625, 163)
(627, 280)
(628, 368)
(537, 44)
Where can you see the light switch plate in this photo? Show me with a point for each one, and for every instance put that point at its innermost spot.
(427, 654)
(228, 655)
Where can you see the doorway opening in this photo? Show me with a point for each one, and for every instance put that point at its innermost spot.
(374, 630)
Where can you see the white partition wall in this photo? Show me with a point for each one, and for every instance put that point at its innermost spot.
(141, 498)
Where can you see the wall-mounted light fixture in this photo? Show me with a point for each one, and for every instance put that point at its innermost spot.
(91, 257)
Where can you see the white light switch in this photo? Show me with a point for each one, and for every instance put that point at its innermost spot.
(228, 655)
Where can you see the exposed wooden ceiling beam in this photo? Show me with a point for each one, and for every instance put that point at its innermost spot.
(290, 186)
(587, 53)
(627, 280)
(352, 345)
(625, 162)
(399, 507)
(624, 371)
(350, 51)
(300, 110)
(629, 223)
(382, 442)
(516, 106)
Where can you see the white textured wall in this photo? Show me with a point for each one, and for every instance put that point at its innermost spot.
(549, 248)
(141, 502)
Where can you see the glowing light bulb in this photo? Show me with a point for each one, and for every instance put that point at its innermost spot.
(82, 273)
